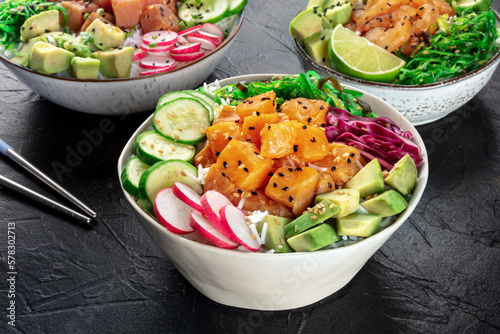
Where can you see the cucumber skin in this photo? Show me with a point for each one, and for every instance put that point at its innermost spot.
(143, 193)
(216, 19)
(126, 183)
(149, 159)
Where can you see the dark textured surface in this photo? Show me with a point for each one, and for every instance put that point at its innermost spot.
(439, 273)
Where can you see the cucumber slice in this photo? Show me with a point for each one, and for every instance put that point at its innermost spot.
(151, 147)
(208, 102)
(183, 120)
(206, 11)
(203, 98)
(162, 175)
(131, 175)
(236, 6)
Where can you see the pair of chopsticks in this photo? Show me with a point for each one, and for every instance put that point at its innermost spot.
(9, 152)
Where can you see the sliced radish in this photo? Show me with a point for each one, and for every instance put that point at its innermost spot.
(181, 41)
(172, 212)
(214, 38)
(160, 38)
(234, 225)
(139, 54)
(160, 70)
(156, 62)
(212, 29)
(206, 43)
(188, 195)
(211, 202)
(156, 50)
(203, 226)
(187, 48)
(184, 57)
(188, 30)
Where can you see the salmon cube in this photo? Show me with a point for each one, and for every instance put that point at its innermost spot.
(311, 144)
(310, 112)
(127, 12)
(227, 114)
(76, 13)
(278, 139)
(205, 157)
(252, 125)
(242, 163)
(158, 17)
(259, 104)
(220, 134)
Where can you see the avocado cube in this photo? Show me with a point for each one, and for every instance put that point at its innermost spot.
(369, 180)
(346, 199)
(316, 46)
(389, 203)
(403, 176)
(58, 37)
(359, 224)
(78, 47)
(24, 54)
(115, 63)
(40, 23)
(275, 233)
(49, 59)
(105, 35)
(313, 239)
(312, 217)
(339, 14)
(307, 23)
(85, 68)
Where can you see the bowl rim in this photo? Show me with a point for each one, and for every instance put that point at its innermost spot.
(127, 152)
(356, 81)
(234, 31)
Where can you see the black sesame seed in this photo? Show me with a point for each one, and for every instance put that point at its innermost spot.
(295, 148)
(217, 154)
(281, 174)
(240, 191)
(290, 199)
(304, 127)
(270, 174)
(329, 185)
(251, 128)
(285, 188)
(275, 185)
(239, 162)
(245, 169)
(352, 155)
(309, 120)
(290, 169)
(255, 193)
(334, 168)
(298, 169)
(348, 160)
(224, 164)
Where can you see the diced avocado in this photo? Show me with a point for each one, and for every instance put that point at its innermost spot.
(49, 59)
(307, 23)
(79, 48)
(275, 233)
(359, 224)
(369, 180)
(403, 176)
(115, 63)
(316, 46)
(313, 239)
(39, 23)
(24, 57)
(58, 37)
(312, 217)
(338, 14)
(85, 68)
(346, 199)
(105, 35)
(388, 203)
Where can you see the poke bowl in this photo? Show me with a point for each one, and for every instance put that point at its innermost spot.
(261, 279)
(152, 69)
(423, 100)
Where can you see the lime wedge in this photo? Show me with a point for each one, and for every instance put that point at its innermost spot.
(356, 56)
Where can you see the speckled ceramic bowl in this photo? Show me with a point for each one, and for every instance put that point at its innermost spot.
(127, 95)
(419, 104)
(263, 281)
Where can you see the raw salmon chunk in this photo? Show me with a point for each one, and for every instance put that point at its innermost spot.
(127, 12)
(158, 17)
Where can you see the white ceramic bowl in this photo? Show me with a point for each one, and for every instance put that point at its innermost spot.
(122, 96)
(263, 281)
(419, 104)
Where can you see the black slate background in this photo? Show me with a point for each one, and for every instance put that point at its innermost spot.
(439, 273)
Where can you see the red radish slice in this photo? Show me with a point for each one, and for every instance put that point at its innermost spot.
(184, 57)
(188, 30)
(206, 43)
(235, 226)
(172, 212)
(160, 70)
(203, 226)
(214, 38)
(160, 38)
(211, 202)
(156, 62)
(139, 54)
(212, 29)
(159, 49)
(187, 48)
(188, 195)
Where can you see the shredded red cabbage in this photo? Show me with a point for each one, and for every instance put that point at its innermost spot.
(375, 138)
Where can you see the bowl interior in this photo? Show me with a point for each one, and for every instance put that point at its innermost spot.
(378, 105)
